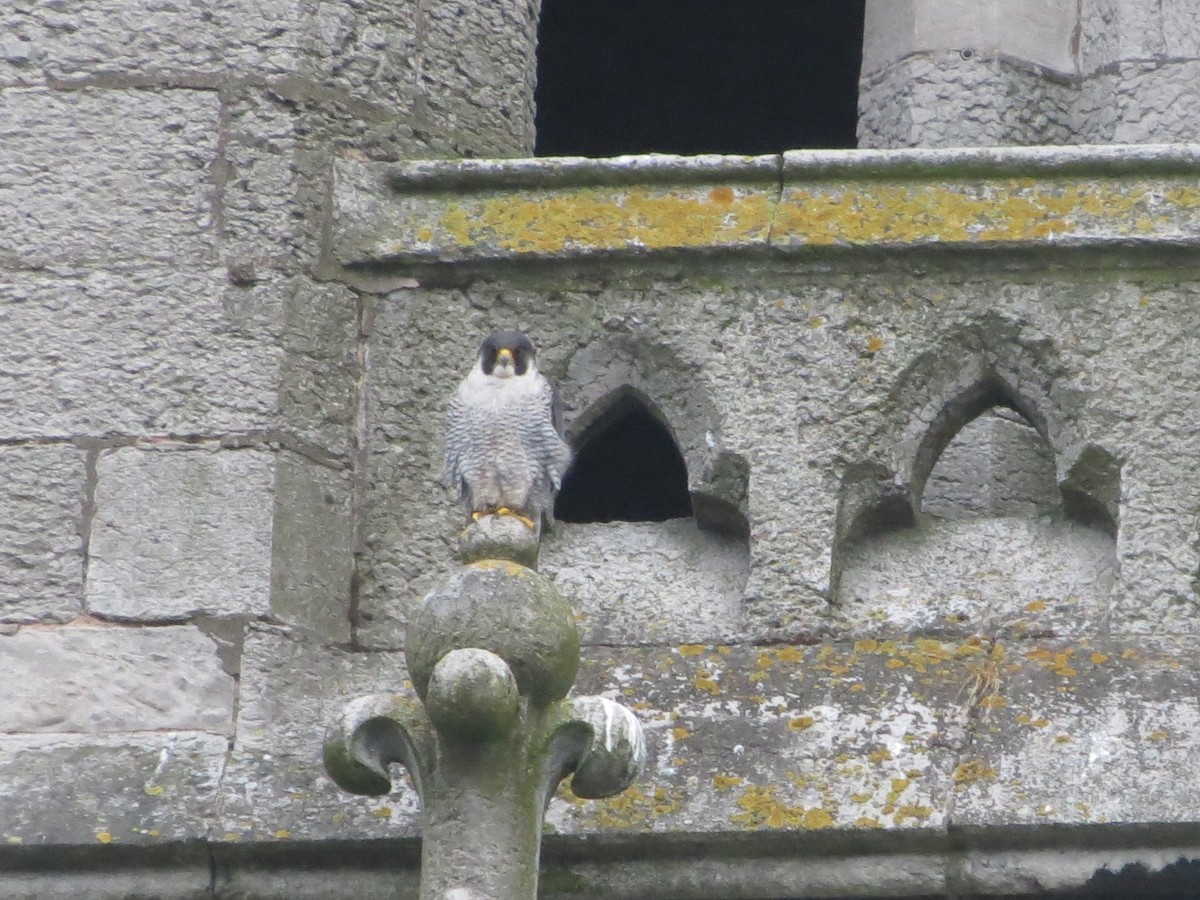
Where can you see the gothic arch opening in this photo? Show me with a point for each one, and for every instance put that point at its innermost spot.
(627, 468)
(980, 525)
(697, 76)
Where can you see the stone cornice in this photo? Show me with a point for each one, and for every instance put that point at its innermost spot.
(479, 211)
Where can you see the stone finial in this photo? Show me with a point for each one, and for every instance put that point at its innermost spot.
(492, 655)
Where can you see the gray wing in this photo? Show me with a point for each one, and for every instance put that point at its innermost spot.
(551, 450)
(456, 447)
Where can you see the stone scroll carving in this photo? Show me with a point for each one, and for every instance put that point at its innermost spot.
(492, 655)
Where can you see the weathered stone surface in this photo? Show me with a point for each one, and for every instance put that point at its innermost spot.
(649, 582)
(1090, 730)
(147, 39)
(88, 790)
(318, 371)
(997, 465)
(275, 787)
(552, 217)
(1035, 31)
(108, 680)
(86, 199)
(158, 351)
(844, 737)
(481, 91)
(311, 553)
(940, 99)
(42, 492)
(810, 380)
(181, 531)
(989, 574)
(1140, 103)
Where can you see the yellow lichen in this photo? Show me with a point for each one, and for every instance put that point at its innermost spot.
(801, 723)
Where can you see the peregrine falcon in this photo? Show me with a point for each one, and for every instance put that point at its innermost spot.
(504, 446)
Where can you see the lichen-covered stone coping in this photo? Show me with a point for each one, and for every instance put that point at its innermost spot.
(563, 209)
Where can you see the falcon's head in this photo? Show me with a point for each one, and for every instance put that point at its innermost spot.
(505, 354)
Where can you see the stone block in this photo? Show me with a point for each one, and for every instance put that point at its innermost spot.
(142, 38)
(1085, 731)
(275, 787)
(649, 582)
(319, 371)
(832, 738)
(87, 199)
(311, 552)
(980, 575)
(91, 790)
(1141, 103)
(160, 351)
(629, 211)
(1035, 31)
(181, 532)
(42, 490)
(481, 92)
(96, 680)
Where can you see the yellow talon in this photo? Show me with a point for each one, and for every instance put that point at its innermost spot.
(505, 511)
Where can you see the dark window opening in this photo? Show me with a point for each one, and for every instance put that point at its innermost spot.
(628, 469)
(697, 76)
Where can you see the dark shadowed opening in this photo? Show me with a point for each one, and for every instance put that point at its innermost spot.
(628, 469)
(697, 76)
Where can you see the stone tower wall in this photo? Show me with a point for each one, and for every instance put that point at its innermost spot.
(979, 73)
(226, 329)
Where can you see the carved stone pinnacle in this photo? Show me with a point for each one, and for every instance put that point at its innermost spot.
(492, 655)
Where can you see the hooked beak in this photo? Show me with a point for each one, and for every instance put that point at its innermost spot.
(504, 357)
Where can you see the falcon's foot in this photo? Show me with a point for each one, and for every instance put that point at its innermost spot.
(505, 511)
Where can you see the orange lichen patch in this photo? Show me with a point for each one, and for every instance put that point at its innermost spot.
(972, 771)
(762, 808)
(861, 797)
(692, 649)
(104, 837)
(600, 219)
(874, 344)
(1035, 606)
(992, 701)
(1098, 658)
(801, 723)
(912, 811)
(867, 822)
(789, 655)
(1003, 210)
(1057, 661)
(1027, 719)
(703, 681)
(726, 782)
(1062, 739)
(815, 321)
(634, 807)
(880, 754)
(680, 733)
(1158, 735)
(283, 834)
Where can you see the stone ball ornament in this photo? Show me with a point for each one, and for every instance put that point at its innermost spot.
(472, 694)
(506, 609)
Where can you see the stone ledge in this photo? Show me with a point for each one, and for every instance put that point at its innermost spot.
(573, 209)
(1034, 863)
